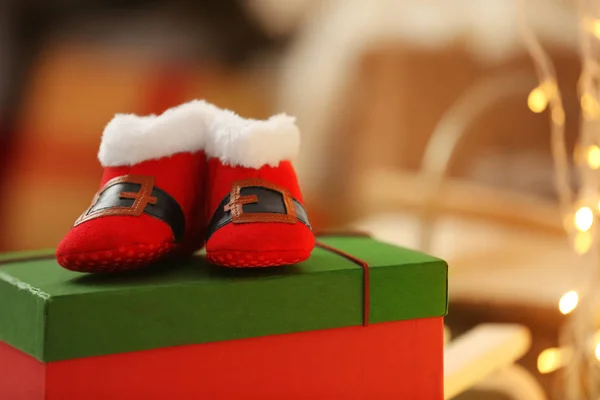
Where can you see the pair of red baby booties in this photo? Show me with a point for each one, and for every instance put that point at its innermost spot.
(194, 176)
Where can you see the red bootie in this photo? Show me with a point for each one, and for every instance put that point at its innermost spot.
(151, 198)
(254, 201)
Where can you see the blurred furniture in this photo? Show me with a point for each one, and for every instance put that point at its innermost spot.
(509, 259)
(368, 81)
(483, 359)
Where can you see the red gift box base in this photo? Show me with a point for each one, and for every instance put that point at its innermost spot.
(400, 360)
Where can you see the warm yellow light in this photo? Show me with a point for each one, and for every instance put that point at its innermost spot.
(596, 28)
(583, 242)
(593, 157)
(587, 101)
(597, 337)
(568, 302)
(597, 344)
(584, 218)
(589, 106)
(593, 26)
(537, 101)
(550, 360)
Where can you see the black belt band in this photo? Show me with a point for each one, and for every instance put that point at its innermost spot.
(257, 201)
(132, 195)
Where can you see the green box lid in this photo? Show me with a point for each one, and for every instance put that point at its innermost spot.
(54, 314)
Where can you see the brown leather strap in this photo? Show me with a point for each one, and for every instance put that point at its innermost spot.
(342, 234)
(257, 200)
(365, 267)
(134, 195)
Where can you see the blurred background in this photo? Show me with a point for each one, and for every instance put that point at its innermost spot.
(416, 120)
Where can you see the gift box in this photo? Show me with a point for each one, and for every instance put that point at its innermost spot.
(359, 319)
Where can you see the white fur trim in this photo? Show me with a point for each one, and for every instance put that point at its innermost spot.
(252, 143)
(129, 139)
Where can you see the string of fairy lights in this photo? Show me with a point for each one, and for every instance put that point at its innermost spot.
(579, 351)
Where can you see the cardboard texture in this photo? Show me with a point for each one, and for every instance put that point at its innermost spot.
(53, 314)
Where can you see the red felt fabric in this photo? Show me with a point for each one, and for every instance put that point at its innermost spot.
(257, 244)
(393, 360)
(115, 243)
(21, 377)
